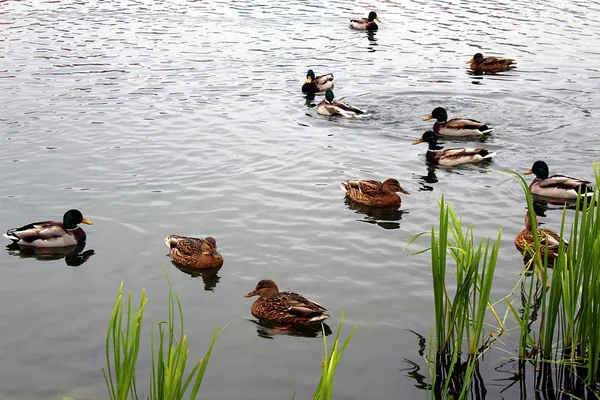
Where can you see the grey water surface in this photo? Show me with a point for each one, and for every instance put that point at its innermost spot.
(187, 117)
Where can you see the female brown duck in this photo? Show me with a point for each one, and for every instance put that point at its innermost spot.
(194, 253)
(491, 64)
(374, 193)
(284, 307)
(549, 239)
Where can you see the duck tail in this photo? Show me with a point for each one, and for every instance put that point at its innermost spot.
(320, 317)
(487, 154)
(344, 186)
(486, 130)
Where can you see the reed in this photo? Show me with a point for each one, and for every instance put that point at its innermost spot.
(168, 379)
(460, 317)
(331, 361)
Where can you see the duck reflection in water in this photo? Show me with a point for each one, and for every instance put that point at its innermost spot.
(427, 180)
(268, 329)
(74, 255)
(210, 278)
(372, 36)
(381, 216)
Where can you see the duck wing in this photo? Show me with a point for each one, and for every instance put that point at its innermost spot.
(492, 61)
(45, 230)
(324, 79)
(565, 182)
(464, 123)
(369, 187)
(457, 156)
(300, 306)
(347, 107)
(187, 246)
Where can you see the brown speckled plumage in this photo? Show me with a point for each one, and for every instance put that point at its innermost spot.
(548, 238)
(193, 252)
(284, 307)
(491, 64)
(374, 193)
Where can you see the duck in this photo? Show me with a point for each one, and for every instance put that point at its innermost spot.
(549, 239)
(368, 23)
(456, 126)
(329, 106)
(51, 233)
(315, 84)
(556, 186)
(490, 64)
(374, 193)
(190, 252)
(451, 157)
(287, 308)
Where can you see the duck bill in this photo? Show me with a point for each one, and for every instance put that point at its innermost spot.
(528, 172)
(404, 191)
(309, 80)
(87, 222)
(251, 294)
(418, 141)
(427, 118)
(216, 254)
(472, 60)
(377, 19)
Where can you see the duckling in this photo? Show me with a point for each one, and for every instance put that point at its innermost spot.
(284, 307)
(556, 186)
(329, 106)
(456, 126)
(191, 252)
(365, 23)
(451, 157)
(374, 193)
(549, 239)
(51, 233)
(317, 84)
(490, 64)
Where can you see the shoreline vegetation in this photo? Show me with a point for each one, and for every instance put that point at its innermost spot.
(557, 319)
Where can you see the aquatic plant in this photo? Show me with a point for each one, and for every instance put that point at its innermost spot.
(460, 317)
(168, 379)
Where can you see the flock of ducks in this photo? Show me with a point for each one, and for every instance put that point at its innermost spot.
(290, 308)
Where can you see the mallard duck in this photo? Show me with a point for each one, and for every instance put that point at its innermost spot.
(374, 193)
(191, 252)
(329, 106)
(549, 239)
(490, 64)
(451, 157)
(365, 23)
(556, 186)
(51, 233)
(315, 84)
(456, 126)
(284, 307)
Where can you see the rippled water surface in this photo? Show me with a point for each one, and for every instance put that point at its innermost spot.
(187, 117)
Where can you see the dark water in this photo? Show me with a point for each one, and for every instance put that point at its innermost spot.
(186, 117)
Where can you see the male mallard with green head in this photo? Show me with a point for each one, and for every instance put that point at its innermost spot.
(451, 157)
(192, 252)
(374, 193)
(490, 64)
(284, 307)
(51, 233)
(329, 106)
(456, 126)
(315, 84)
(556, 186)
(368, 23)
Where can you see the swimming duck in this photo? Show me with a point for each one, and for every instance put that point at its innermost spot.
(365, 23)
(329, 106)
(284, 307)
(456, 126)
(374, 193)
(548, 238)
(51, 233)
(194, 253)
(556, 186)
(315, 84)
(490, 64)
(451, 157)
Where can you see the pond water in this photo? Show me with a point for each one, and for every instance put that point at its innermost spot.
(185, 117)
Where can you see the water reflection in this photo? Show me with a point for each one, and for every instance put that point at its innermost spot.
(209, 276)
(542, 204)
(427, 180)
(372, 36)
(74, 255)
(268, 330)
(381, 216)
(309, 100)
